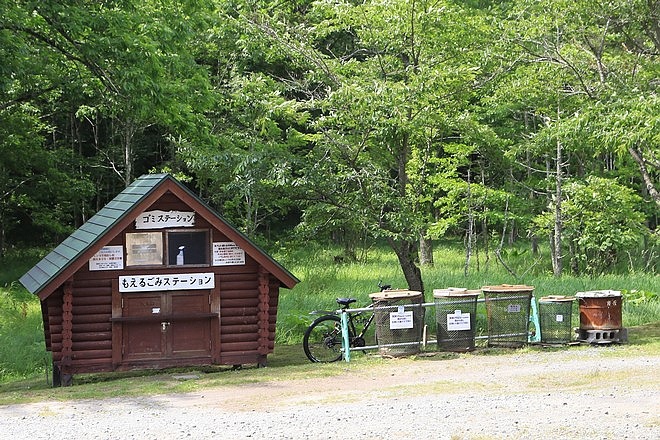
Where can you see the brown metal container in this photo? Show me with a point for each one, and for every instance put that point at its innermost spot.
(600, 309)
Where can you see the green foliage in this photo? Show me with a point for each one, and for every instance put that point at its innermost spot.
(601, 221)
(21, 334)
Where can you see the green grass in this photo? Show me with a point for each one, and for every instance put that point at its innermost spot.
(24, 363)
(323, 280)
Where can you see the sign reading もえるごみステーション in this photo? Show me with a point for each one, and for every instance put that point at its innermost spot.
(147, 283)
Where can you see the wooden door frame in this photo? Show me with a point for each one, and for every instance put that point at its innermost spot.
(118, 326)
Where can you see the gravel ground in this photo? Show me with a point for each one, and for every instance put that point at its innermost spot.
(573, 394)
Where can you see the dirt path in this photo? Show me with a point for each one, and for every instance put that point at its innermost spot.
(592, 394)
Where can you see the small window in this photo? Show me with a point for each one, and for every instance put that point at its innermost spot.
(188, 248)
(144, 249)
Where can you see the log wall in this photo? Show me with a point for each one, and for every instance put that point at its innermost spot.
(244, 332)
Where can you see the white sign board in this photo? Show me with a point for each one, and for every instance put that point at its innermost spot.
(108, 258)
(227, 253)
(458, 321)
(179, 281)
(401, 320)
(513, 308)
(559, 318)
(165, 219)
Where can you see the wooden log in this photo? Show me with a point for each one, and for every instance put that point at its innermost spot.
(92, 310)
(237, 337)
(92, 300)
(238, 320)
(243, 284)
(89, 336)
(92, 283)
(238, 311)
(239, 346)
(234, 329)
(91, 366)
(78, 347)
(93, 354)
(241, 302)
(87, 327)
(238, 294)
(86, 319)
(85, 292)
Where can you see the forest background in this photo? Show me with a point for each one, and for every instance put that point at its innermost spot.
(398, 121)
(522, 132)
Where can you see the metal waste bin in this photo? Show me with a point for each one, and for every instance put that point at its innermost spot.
(456, 316)
(555, 316)
(507, 310)
(601, 317)
(399, 319)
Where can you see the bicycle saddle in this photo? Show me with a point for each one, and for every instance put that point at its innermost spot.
(345, 301)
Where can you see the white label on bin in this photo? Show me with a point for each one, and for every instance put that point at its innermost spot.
(400, 320)
(513, 308)
(559, 318)
(458, 321)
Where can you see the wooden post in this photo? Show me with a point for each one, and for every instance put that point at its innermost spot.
(262, 315)
(117, 336)
(67, 334)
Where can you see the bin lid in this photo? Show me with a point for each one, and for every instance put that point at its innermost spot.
(598, 294)
(508, 288)
(454, 291)
(556, 298)
(395, 294)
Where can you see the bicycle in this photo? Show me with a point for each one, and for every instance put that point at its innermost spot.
(322, 341)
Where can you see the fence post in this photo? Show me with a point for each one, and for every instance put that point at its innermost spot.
(346, 346)
(534, 319)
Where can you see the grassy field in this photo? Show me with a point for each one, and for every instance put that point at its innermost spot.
(24, 362)
(323, 280)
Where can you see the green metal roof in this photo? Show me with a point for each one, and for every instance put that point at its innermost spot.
(90, 233)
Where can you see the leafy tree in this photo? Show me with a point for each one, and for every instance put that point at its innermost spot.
(579, 70)
(602, 221)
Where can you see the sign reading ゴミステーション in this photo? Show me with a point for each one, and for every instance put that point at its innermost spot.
(165, 219)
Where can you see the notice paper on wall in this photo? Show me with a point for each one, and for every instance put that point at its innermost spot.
(108, 258)
(227, 253)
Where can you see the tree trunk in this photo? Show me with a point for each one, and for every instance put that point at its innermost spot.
(646, 176)
(129, 133)
(425, 251)
(470, 231)
(405, 252)
(558, 227)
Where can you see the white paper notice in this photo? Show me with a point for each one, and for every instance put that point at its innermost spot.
(108, 258)
(227, 253)
(400, 320)
(458, 321)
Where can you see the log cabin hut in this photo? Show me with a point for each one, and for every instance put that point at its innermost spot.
(156, 279)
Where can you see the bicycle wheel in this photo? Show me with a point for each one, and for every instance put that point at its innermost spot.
(322, 340)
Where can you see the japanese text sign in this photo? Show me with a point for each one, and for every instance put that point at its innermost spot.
(181, 281)
(165, 219)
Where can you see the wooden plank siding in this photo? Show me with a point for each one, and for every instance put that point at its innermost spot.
(83, 311)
